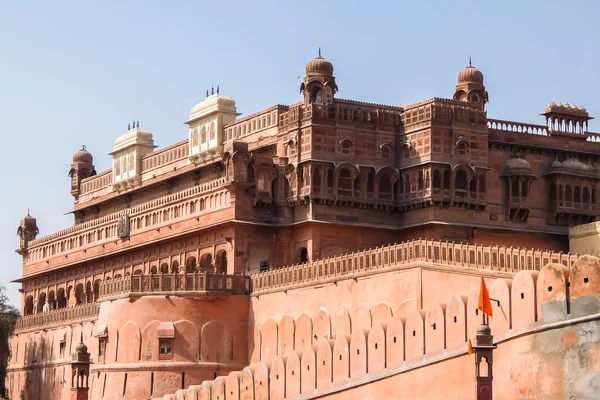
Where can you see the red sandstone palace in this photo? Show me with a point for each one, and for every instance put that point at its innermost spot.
(257, 258)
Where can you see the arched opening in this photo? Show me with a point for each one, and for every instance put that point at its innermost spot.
(586, 196)
(28, 305)
(164, 268)
(96, 289)
(386, 152)
(330, 174)
(221, 262)
(250, 173)
(370, 183)
(460, 182)
(524, 188)
(552, 193)
(345, 182)
(407, 188)
(153, 269)
(137, 272)
(51, 300)
(316, 95)
(420, 180)
(577, 195)
(437, 184)
(346, 146)
(561, 196)
(89, 292)
(568, 193)
(79, 295)
(303, 255)
(203, 135)
(385, 187)
(61, 299)
(175, 267)
(473, 187)
(316, 179)
(190, 265)
(41, 303)
(206, 264)
(117, 276)
(446, 180)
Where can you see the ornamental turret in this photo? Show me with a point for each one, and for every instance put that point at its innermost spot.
(27, 231)
(82, 167)
(319, 85)
(470, 87)
(80, 371)
(206, 124)
(128, 151)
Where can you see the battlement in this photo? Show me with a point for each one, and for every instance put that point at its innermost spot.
(318, 354)
(388, 258)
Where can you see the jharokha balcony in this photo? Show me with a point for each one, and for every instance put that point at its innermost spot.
(49, 319)
(186, 285)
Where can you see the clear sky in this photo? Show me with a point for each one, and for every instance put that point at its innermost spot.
(76, 72)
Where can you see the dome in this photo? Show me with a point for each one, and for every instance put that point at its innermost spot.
(81, 348)
(575, 165)
(83, 156)
(518, 166)
(470, 74)
(320, 66)
(215, 100)
(568, 109)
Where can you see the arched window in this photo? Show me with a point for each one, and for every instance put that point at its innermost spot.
(303, 255)
(461, 148)
(96, 289)
(524, 188)
(436, 179)
(51, 300)
(175, 267)
(447, 180)
(577, 194)
(316, 179)
(221, 262)
(164, 268)
(316, 95)
(473, 186)
(370, 182)
(385, 187)
(203, 135)
(346, 146)
(206, 264)
(475, 98)
(407, 188)
(41, 303)
(386, 152)
(586, 196)
(79, 295)
(195, 138)
(89, 292)
(212, 131)
(328, 95)
(61, 298)
(330, 178)
(568, 193)
(420, 181)
(460, 182)
(345, 182)
(190, 265)
(561, 196)
(28, 305)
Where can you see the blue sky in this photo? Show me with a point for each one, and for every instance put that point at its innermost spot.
(76, 72)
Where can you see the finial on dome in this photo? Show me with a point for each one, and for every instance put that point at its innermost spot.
(470, 65)
(83, 147)
(137, 124)
(218, 91)
(212, 90)
(319, 51)
(81, 337)
(206, 92)
(128, 126)
(28, 213)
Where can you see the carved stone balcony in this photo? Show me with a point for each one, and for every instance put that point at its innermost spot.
(185, 285)
(60, 317)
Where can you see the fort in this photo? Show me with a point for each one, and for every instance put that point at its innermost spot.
(327, 249)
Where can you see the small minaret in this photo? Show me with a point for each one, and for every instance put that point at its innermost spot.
(27, 231)
(484, 357)
(80, 371)
(82, 167)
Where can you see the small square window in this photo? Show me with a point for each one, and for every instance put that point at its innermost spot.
(164, 349)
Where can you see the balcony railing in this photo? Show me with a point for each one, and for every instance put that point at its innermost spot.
(176, 284)
(58, 317)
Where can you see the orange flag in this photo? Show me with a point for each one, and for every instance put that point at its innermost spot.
(485, 304)
(469, 348)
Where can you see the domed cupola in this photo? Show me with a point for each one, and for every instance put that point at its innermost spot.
(82, 167)
(470, 87)
(518, 176)
(206, 124)
(27, 231)
(319, 85)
